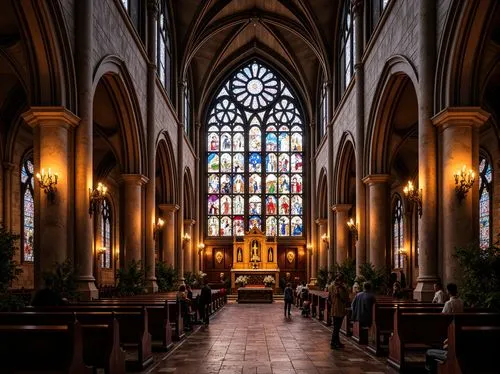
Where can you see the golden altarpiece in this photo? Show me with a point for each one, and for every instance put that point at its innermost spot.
(255, 256)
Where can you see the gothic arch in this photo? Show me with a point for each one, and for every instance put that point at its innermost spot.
(345, 156)
(168, 170)
(397, 70)
(112, 70)
(322, 195)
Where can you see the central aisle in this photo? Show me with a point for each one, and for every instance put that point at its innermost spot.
(253, 338)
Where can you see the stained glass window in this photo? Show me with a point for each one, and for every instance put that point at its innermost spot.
(105, 231)
(397, 234)
(255, 156)
(346, 54)
(164, 48)
(485, 198)
(28, 209)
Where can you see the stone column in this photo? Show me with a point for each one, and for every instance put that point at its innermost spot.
(378, 191)
(180, 178)
(83, 166)
(168, 232)
(188, 245)
(52, 150)
(199, 199)
(427, 173)
(311, 232)
(132, 217)
(341, 231)
(456, 128)
(151, 285)
(8, 168)
(322, 245)
(360, 130)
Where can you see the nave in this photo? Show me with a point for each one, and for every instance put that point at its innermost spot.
(257, 338)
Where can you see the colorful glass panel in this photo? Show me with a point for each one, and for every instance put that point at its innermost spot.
(28, 210)
(254, 155)
(106, 234)
(485, 199)
(397, 234)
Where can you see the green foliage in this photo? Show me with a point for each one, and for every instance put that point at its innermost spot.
(195, 280)
(377, 277)
(63, 279)
(9, 269)
(479, 276)
(131, 279)
(322, 278)
(166, 277)
(11, 302)
(348, 270)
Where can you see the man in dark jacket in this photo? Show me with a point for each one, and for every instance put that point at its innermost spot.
(362, 306)
(205, 300)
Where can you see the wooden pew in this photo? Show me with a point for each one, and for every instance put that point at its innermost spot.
(472, 347)
(101, 342)
(54, 349)
(414, 333)
(133, 323)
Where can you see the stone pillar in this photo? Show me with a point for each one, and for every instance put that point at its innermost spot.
(168, 232)
(341, 231)
(456, 129)
(180, 178)
(52, 150)
(188, 245)
(199, 200)
(427, 173)
(322, 245)
(311, 227)
(360, 130)
(8, 168)
(132, 217)
(151, 285)
(378, 191)
(83, 166)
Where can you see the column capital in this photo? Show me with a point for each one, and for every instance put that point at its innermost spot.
(461, 116)
(321, 221)
(376, 178)
(357, 6)
(189, 222)
(168, 208)
(341, 207)
(153, 6)
(137, 179)
(50, 116)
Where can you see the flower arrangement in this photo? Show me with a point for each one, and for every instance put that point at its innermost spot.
(269, 280)
(242, 280)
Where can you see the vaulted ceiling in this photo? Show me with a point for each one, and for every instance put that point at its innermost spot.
(295, 36)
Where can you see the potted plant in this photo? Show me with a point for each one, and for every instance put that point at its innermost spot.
(269, 281)
(241, 281)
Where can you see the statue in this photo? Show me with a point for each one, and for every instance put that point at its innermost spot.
(270, 255)
(239, 256)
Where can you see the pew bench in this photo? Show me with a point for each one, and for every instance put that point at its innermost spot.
(53, 348)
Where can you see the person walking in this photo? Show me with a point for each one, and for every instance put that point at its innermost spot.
(288, 299)
(204, 301)
(339, 298)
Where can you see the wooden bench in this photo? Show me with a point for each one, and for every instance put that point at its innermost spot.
(54, 349)
(133, 323)
(472, 349)
(101, 342)
(414, 333)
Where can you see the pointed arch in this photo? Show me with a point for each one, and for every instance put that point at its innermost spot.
(322, 194)
(397, 70)
(168, 170)
(188, 191)
(345, 156)
(113, 71)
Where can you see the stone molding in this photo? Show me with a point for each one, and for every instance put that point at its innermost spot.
(376, 178)
(138, 179)
(50, 116)
(460, 116)
(321, 221)
(341, 207)
(189, 222)
(168, 208)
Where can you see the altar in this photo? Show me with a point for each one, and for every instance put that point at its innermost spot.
(255, 259)
(255, 295)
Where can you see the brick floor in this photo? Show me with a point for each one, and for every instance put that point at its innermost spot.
(252, 338)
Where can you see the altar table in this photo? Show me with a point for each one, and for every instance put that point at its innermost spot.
(255, 295)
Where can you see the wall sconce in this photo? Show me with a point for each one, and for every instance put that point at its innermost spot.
(324, 238)
(301, 252)
(310, 249)
(187, 238)
(47, 182)
(96, 197)
(101, 251)
(464, 180)
(413, 195)
(157, 228)
(353, 228)
(201, 248)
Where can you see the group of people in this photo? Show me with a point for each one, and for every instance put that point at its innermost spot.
(185, 297)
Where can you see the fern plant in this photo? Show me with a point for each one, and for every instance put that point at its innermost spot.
(376, 276)
(166, 277)
(9, 271)
(63, 280)
(131, 279)
(348, 270)
(322, 278)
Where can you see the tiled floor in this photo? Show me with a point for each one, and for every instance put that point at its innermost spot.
(252, 338)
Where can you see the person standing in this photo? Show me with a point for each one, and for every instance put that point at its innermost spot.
(439, 296)
(338, 296)
(362, 306)
(288, 299)
(204, 301)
